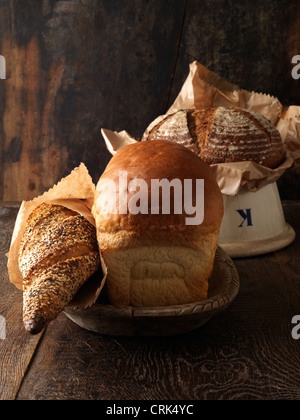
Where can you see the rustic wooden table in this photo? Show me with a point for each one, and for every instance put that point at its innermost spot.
(246, 352)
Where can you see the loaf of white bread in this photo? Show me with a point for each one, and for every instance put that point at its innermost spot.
(58, 254)
(220, 135)
(156, 259)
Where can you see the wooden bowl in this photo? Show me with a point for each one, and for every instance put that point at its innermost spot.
(163, 321)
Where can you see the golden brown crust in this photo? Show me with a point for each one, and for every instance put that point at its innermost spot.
(220, 135)
(58, 254)
(156, 160)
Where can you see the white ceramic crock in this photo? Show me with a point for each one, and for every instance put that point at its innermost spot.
(254, 223)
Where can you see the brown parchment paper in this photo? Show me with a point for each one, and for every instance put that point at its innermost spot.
(203, 89)
(75, 192)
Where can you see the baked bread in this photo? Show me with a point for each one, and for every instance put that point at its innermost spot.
(155, 259)
(220, 135)
(58, 254)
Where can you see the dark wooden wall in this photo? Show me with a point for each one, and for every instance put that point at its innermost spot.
(76, 66)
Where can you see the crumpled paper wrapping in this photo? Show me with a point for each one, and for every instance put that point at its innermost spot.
(75, 192)
(203, 89)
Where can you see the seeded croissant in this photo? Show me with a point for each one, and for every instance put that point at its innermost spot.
(58, 254)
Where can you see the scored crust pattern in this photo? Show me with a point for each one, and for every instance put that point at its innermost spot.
(220, 135)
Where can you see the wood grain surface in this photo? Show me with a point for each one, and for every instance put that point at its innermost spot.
(74, 67)
(66, 61)
(250, 43)
(246, 352)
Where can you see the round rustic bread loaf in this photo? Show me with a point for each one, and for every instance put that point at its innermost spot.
(155, 258)
(220, 135)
